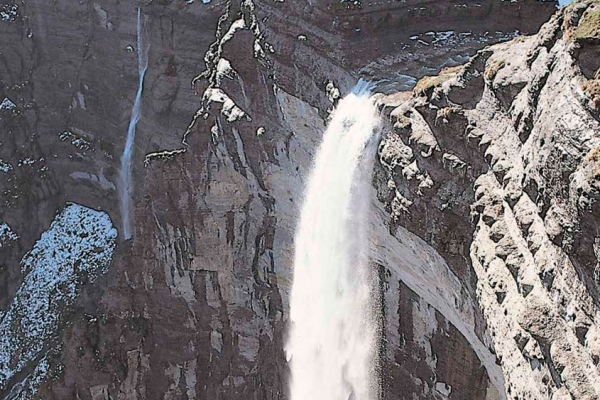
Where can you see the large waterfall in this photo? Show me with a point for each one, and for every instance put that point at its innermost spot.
(332, 339)
(126, 184)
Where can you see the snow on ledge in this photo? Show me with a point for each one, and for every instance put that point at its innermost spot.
(9, 13)
(7, 235)
(78, 247)
(7, 104)
(229, 108)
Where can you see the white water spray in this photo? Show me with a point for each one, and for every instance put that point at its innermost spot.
(332, 340)
(126, 184)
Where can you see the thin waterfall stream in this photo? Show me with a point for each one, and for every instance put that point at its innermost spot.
(125, 177)
(333, 335)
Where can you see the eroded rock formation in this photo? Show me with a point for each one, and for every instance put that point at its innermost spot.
(495, 165)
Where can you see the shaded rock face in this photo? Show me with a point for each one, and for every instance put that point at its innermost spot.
(195, 305)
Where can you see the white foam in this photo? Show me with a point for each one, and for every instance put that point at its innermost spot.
(332, 340)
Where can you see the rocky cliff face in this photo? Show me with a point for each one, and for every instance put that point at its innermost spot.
(494, 164)
(484, 209)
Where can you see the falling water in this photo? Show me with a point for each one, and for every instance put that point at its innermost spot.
(331, 344)
(126, 185)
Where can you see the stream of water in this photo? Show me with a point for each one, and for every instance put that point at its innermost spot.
(126, 184)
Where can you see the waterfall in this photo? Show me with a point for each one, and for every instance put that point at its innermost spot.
(332, 338)
(126, 184)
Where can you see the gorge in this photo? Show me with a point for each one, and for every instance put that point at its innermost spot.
(479, 209)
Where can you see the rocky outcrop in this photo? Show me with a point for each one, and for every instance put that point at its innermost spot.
(494, 165)
(195, 305)
(75, 250)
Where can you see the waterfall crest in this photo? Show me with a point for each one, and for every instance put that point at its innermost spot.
(332, 339)
(126, 184)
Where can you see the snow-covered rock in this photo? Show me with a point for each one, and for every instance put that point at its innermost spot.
(77, 248)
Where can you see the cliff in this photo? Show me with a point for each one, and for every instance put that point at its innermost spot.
(484, 219)
(494, 164)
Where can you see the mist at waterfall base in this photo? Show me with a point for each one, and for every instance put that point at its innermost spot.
(125, 177)
(331, 347)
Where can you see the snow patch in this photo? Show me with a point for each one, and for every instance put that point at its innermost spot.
(224, 70)
(258, 50)
(333, 93)
(442, 36)
(9, 13)
(26, 161)
(28, 387)
(162, 155)
(78, 247)
(7, 235)
(79, 142)
(235, 26)
(229, 109)
(7, 104)
(5, 167)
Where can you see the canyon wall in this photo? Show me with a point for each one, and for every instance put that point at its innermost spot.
(495, 165)
(483, 213)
